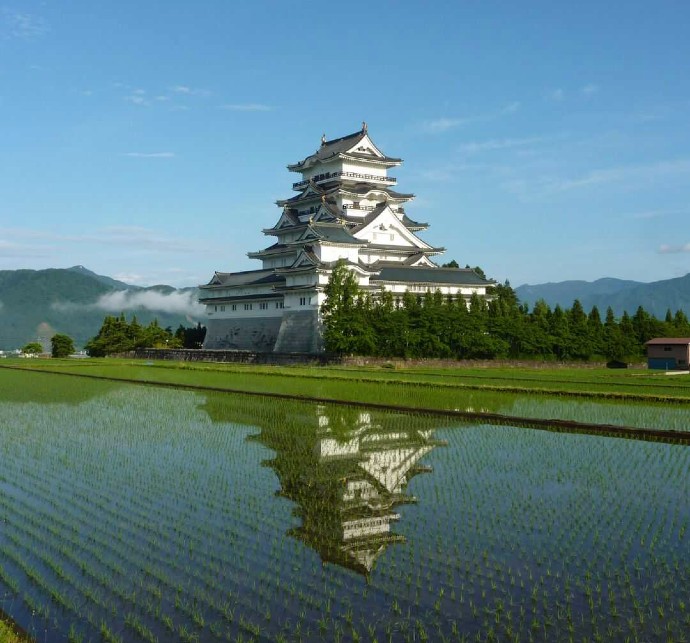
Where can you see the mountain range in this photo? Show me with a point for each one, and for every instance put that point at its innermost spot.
(655, 297)
(35, 304)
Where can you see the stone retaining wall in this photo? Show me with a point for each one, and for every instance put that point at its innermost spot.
(234, 356)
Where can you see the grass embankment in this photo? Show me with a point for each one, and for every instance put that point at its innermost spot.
(635, 403)
(8, 634)
(407, 386)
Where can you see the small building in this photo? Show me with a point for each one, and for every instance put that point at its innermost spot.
(668, 353)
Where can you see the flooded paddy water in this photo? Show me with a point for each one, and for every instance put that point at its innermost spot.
(131, 513)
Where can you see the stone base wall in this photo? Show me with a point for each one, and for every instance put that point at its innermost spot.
(251, 334)
(300, 332)
(234, 356)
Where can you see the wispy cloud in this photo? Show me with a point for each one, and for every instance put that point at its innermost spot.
(440, 125)
(655, 214)
(557, 95)
(628, 176)
(451, 171)
(636, 173)
(10, 249)
(511, 108)
(138, 97)
(498, 144)
(189, 91)
(15, 24)
(674, 249)
(124, 236)
(150, 155)
(589, 89)
(247, 107)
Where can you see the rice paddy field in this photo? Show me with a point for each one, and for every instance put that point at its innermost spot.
(133, 512)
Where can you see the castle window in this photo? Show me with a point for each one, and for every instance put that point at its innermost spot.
(234, 306)
(222, 309)
(247, 306)
(279, 304)
(263, 305)
(302, 301)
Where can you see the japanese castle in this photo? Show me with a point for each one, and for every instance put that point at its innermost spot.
(345, 209)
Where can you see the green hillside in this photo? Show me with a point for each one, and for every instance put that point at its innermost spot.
(655, 297)
(35, 304)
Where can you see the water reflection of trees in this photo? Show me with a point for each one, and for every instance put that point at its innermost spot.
(346, 470)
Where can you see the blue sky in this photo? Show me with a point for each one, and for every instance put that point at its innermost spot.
(148, 140)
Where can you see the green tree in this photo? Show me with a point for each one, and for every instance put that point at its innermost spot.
(33, 348)
(579, 344)
(595, 328)
(337, 313)
(61, 345)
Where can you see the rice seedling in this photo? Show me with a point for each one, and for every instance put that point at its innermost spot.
(148, 513)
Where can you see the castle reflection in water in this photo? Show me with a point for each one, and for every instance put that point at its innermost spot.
(346, 470)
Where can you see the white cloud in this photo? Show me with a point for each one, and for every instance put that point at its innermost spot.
(189, 91)
(628, 176)
(9, 249)
(137, 99)
(451, 171)
(557, 95)
(511, 108)
(247, 107)
(14, 24)
(150, 155)
(655, 214)
(129, 278)
(589, 89)
(498, 144)
(634, 173)
(439, 125)
(674, 249)
(176, 302)
(124, 236)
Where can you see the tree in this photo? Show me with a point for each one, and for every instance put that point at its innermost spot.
(451, 264)
(118, 336)
(33, 348)
(62, 345)
(338, 311)
(476, 269)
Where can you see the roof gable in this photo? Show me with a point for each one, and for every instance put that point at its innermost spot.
(365, 146)
(287, 220)
(383, 224)
(304, 259)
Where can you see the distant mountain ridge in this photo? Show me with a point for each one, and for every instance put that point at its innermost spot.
(655, 297)
(35, 304)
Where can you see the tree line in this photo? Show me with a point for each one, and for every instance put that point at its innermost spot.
(117, 335)
(434, 325)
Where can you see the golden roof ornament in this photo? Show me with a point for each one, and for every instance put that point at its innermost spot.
(323, 138)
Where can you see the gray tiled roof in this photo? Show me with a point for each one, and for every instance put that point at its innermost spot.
(332, 148)
(335, 233)
(241, 278)
(413, 274)
(409, 223)
(336, 146)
